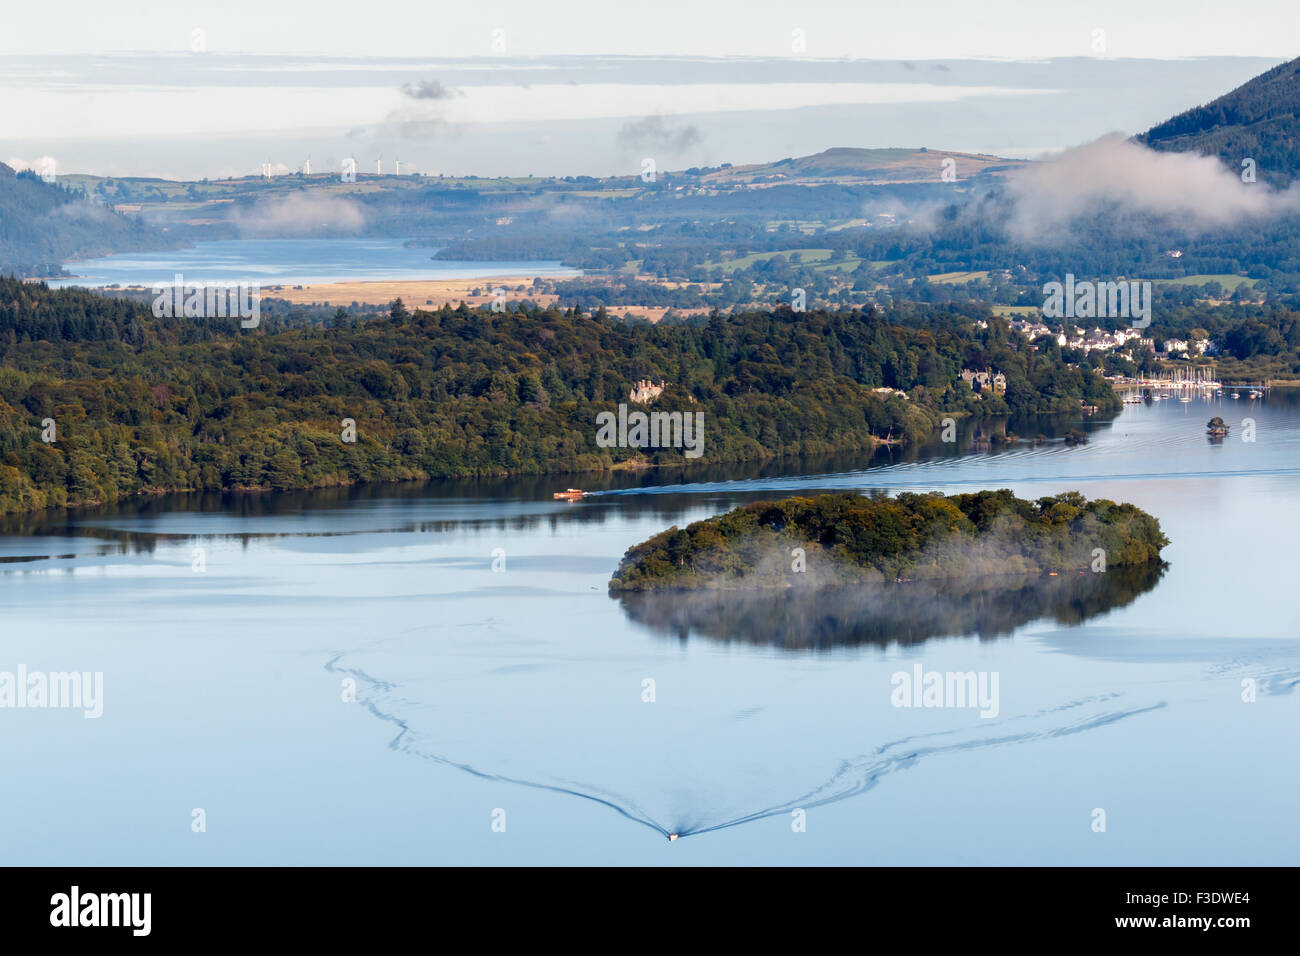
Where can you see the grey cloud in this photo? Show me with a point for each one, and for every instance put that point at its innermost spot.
(415, 124)
(429, 90)
(655, 132)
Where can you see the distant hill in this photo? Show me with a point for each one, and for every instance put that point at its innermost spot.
(865, 166)
(41, 224)
(1259, 120)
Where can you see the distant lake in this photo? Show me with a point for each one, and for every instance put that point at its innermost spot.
(269, 262)
(376, 675)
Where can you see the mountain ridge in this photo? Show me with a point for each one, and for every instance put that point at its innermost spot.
(1259, 120)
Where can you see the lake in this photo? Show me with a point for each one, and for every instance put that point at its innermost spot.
(435, 673)
(270, 262)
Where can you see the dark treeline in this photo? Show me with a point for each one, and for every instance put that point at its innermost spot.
(145, 405)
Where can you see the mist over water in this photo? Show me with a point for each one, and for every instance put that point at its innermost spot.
(839, 616)
(523, 689)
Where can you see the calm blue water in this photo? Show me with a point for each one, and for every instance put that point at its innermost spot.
(291, 262)
(521, 690)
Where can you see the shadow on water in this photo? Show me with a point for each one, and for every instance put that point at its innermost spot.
(908, 613)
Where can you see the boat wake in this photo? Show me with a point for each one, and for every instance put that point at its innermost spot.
(884, 479)
(404, 743)
(851, 776)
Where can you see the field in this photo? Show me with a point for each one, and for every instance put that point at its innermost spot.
(433, 293)
(415, 293)
(876, 166)
(956, 278)
(744, 262)
(1228, 281)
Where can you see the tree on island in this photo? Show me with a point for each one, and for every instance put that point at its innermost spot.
(1217, 426)
(849, 539)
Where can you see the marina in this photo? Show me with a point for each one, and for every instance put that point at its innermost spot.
(1187, 382)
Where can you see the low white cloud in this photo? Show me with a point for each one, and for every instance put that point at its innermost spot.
(41, 162)
(301, 214)
(1115, 173)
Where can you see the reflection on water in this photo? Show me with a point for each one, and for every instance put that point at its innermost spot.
(908, 613)
(523, 689)
(139, 525)
(1164, 441)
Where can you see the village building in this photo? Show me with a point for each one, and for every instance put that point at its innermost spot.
(646, 391)
(979, 381)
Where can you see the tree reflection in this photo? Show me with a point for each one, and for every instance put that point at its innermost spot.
(909, 613)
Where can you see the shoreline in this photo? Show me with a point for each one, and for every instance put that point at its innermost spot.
(625, 466)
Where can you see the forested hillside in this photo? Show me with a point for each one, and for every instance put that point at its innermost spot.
(145, 405)
(41, 224)
(1259, 119)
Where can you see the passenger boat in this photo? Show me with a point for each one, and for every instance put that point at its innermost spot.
(568, 494)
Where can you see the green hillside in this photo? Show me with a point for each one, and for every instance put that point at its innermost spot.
(849, 164)
(1259, 120)
(41, 224)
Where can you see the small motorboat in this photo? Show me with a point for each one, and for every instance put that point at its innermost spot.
(672, 837)
(569, 494)
(1236, 395)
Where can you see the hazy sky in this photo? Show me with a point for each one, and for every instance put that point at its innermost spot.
(188, 90)
(874, 29)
